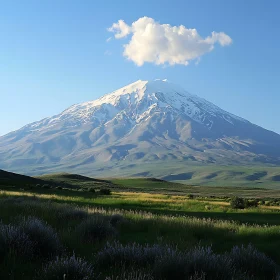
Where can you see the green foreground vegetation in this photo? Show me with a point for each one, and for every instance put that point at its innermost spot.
(72, 227)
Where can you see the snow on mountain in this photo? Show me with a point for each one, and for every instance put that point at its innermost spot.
(139, 98)
(146, 121)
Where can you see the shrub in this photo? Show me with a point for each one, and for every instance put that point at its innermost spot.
(166, 262)
(133, 275)
(237, 203)
(116, 219)
(174, 267)
(45, 239)
(261, 202)
(105, 191)
(251, 203)
(72, 213)
(267, 203)
(95, 229)
(202, 261)
(207, 207)
(253, 263)
(15, 241)
(128, 255)
(190, 196)
(69, 268)
(92, 190)
(194, 264)
(46, 186)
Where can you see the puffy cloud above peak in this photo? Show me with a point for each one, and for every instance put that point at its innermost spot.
(121, 29)
(164, 44)
(220, 37)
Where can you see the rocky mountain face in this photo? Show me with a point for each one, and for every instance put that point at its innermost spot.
(144, 122)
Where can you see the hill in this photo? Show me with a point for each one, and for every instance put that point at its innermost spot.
(13, 179)
(75, 181)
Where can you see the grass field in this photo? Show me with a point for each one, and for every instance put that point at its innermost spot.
(146, 229)
(191, 173)
(153, 185)
(198, 174)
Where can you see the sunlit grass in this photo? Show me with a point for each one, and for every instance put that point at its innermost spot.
(146, 218)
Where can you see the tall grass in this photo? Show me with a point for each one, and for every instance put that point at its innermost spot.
(69, 268)
(122, 244)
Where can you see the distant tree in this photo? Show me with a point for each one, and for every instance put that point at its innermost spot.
(105, 191)
(237, 203)
(251, 203)
(91, 190)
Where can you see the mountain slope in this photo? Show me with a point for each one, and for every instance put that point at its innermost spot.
(144, 122)
(13, 179)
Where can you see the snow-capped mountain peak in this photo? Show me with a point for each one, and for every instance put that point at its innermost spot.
(137, 99)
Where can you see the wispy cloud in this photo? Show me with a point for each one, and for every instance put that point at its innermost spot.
(158, 43)
(108, 52)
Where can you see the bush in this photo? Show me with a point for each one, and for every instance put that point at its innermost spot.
(253, 263)
(66, 213)
(267, 203)
(92, 190)
(95, 229)
(237, 203)
(116, 254)
(251, 203)
(116, 219)
(45, 239)
(190, 196)
(133, 275)
(69, 268)
(199, 263)
(261, 202)
(174, 267)
(202, 261)
(105, 191)
(14, 241)
(207, 207)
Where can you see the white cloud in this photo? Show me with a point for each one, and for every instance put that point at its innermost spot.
(121, 29)
(165, 44)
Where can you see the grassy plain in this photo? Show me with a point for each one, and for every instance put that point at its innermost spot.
(153, 212)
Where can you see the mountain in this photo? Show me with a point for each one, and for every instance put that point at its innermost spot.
(147, 123)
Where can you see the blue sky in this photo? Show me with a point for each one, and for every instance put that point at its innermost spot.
(54, 54)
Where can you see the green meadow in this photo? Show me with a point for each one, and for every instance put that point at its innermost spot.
(68, 227)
